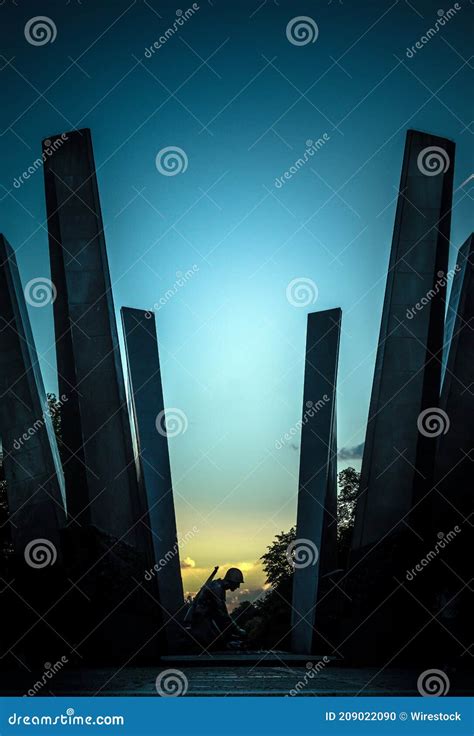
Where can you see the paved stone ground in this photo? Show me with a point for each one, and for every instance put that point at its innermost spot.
(232, 681)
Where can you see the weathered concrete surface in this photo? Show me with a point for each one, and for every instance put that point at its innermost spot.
(99, 467)
(146, 395)
(453, 463)
(385, 615)
(35, 483)
(108, 545)
(398, 460)
(233, 681)
(450, 507)
(316, 525)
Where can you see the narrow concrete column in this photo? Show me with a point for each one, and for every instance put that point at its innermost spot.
(146, 395)
(99, 470)
(33, 473)
(315, 552)
(391, 531)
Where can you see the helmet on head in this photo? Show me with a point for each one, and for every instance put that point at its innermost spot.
(234, 575)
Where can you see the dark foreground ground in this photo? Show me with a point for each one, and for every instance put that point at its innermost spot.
(275, 678)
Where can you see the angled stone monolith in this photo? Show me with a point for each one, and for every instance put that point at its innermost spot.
(398, 462)
(315, 553)
(108, 545)
(408, 364)
(146, 395)
(451, 509)
(33, 473)
(98, 466)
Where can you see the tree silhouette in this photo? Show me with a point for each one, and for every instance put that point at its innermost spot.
(349, 480)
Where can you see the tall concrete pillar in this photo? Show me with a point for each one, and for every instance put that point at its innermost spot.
(108, 546)
(33, 473)
(146, 394)
(99, 470)
(398, 459)
(398, 462)
(451, 508)
(315, 552)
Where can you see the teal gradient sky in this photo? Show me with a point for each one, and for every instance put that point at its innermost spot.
(227, 90)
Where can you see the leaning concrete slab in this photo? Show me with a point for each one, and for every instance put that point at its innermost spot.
(316, 527)
(398, 460)
(146, 394)
(33, 473)
(384, 619)
(98, 464)
(451, 505)
(108, 546)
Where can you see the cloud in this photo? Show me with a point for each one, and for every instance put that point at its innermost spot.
(244, 594)
(194, 576)
(351, 453)
(187, 563)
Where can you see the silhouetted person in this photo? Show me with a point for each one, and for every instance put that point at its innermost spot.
(211, 624)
